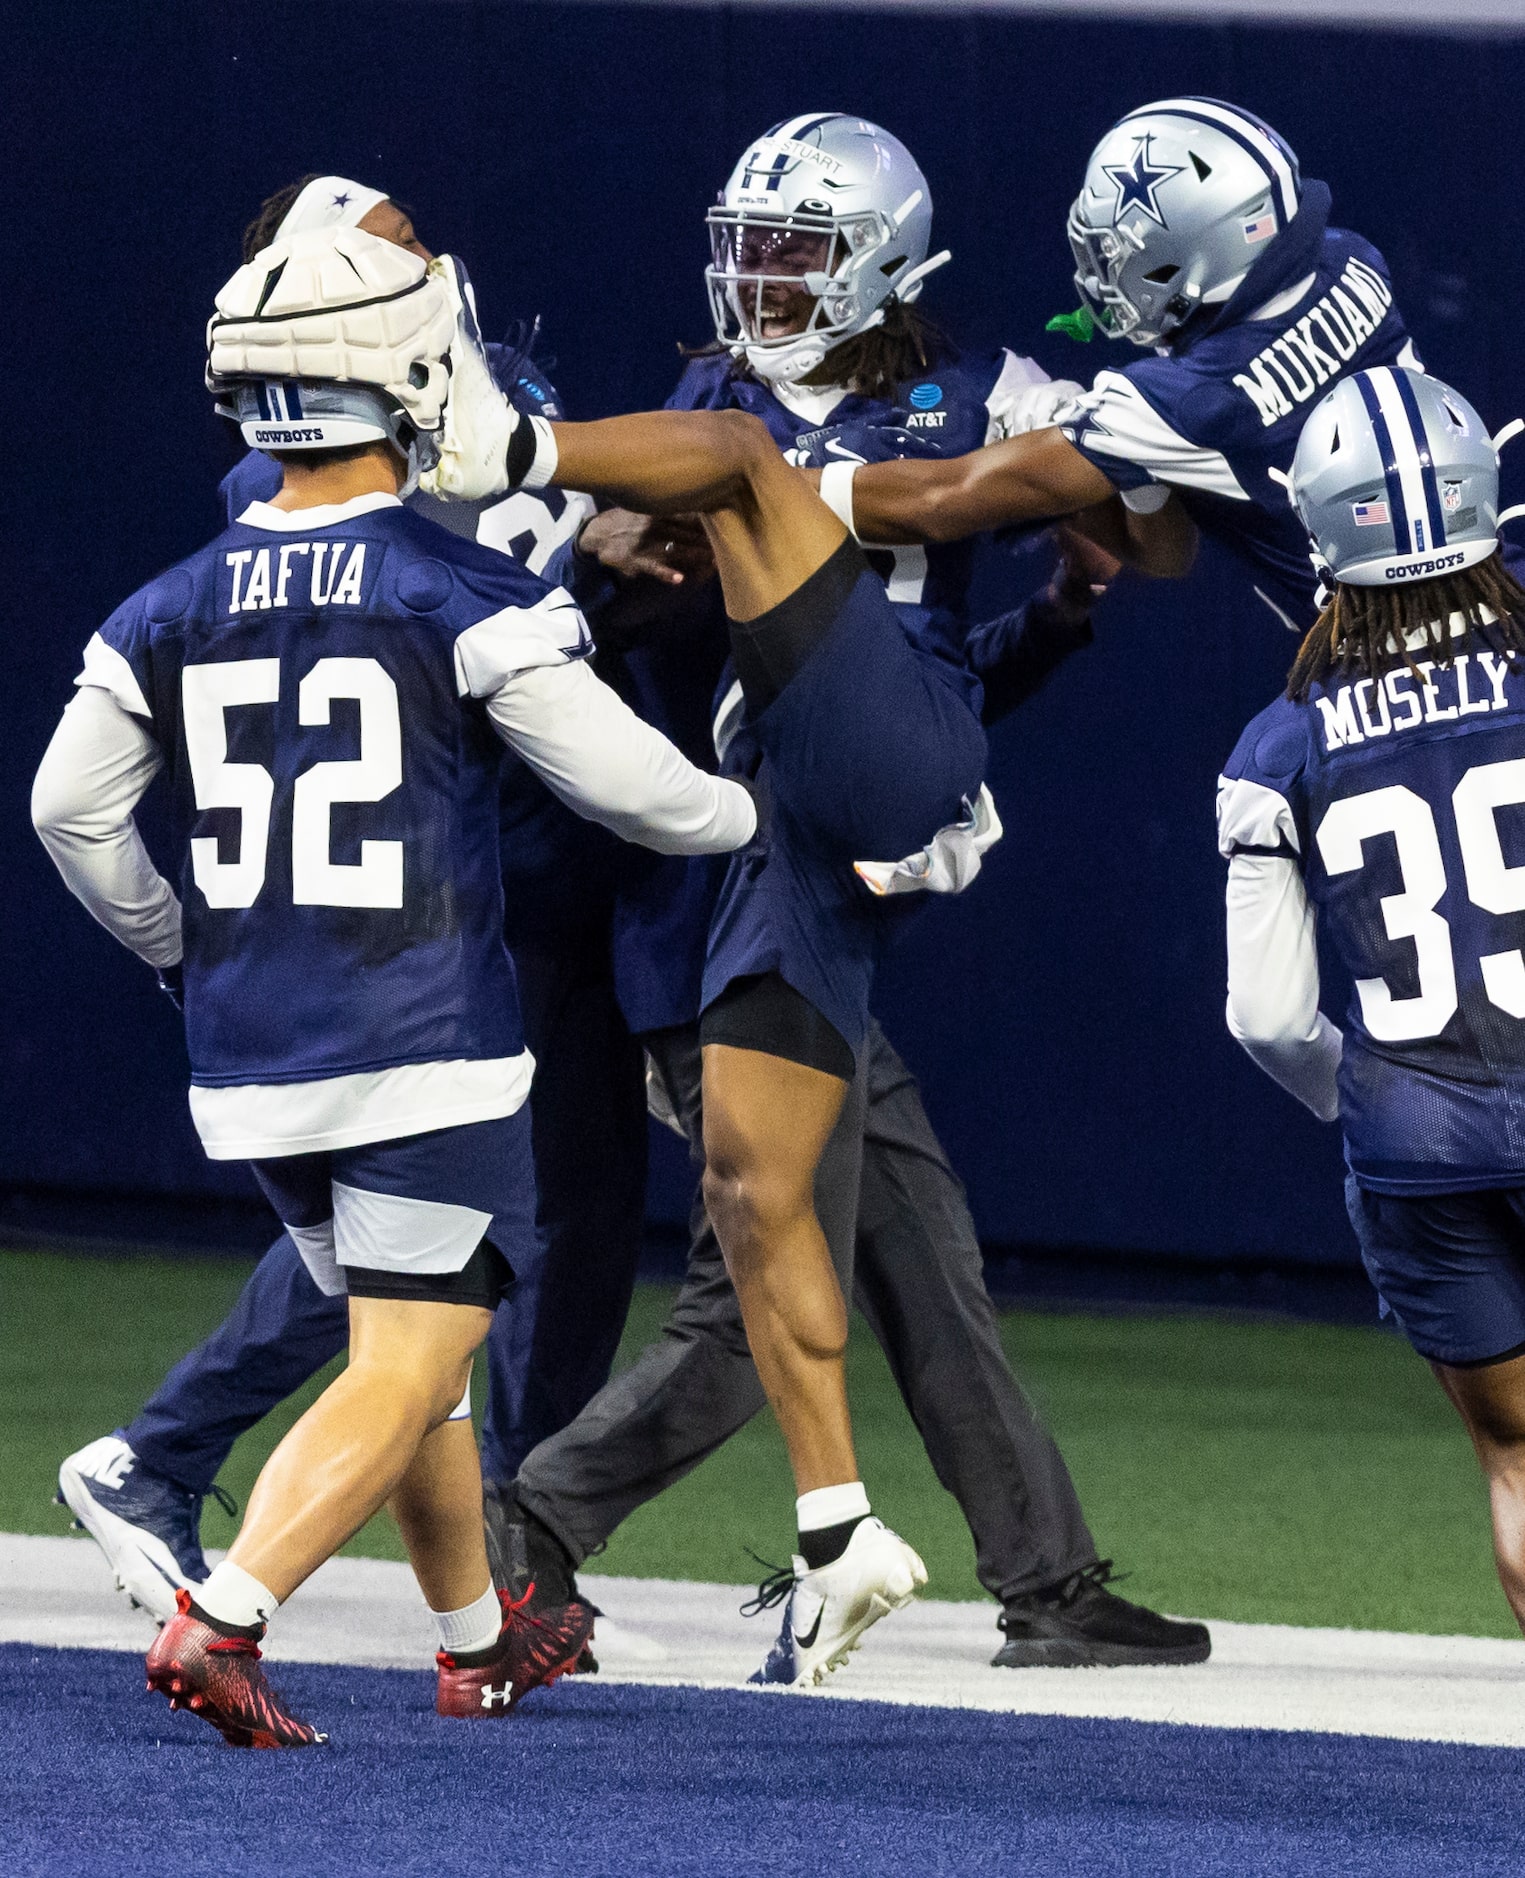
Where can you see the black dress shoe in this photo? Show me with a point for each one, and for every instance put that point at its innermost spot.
(527, 1558)
(1079, 1624)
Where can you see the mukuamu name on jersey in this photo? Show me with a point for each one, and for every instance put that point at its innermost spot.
(262, 577)
(1379, 707)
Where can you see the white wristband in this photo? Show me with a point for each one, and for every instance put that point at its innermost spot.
(543, 465)
(837, 492)
(1147, 499)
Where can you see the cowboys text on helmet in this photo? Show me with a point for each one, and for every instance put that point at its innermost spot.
(1396, 479)
(328, 337)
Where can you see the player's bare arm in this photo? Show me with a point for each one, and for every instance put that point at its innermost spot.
(1037, 476)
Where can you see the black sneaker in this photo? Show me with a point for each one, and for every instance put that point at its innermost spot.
(1079, 1624)
(529, 1563)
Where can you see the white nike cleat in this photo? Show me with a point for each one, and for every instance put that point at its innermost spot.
(146, 1524)
(831, 1607)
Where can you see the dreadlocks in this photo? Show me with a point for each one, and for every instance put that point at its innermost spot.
(1365, 630)
(903, 345)
(272, 212)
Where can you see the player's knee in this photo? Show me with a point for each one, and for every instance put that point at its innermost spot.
(751, 1203)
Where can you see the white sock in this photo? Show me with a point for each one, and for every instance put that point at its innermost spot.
(473, 1627)
(232, 1596)
(829, 1506)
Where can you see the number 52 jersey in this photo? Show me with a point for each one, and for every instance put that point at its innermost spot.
(316, 684)
(1402, 801)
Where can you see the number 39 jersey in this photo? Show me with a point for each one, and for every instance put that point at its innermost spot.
(314, 681)
(1402, 800)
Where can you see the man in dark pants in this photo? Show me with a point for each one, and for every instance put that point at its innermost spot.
(905, 1249)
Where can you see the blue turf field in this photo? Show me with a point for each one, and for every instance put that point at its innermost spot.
(619, 1782)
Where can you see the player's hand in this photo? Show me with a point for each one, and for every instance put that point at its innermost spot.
(1084, 573)
(673, 549)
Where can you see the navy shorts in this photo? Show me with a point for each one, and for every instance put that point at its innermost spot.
(446, 1217)
(1449, 1266)
(867, 751)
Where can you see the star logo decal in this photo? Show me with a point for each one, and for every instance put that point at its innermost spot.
(1137, 182)
(342, 202)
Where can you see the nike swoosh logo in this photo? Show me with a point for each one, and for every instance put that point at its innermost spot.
(834, 448)
(806, 1639)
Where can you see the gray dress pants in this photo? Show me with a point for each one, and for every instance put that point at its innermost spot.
(905, 1251)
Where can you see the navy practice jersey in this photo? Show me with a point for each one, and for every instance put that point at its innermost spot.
(315, 690)
(1224, 405)
(960, 406)
(1404, 804)
(557, 865)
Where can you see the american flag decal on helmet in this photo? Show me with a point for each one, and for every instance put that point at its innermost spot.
(1370, 514)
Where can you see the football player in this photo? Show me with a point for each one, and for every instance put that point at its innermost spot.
(350, 1006)
(139, 1491)
(1197, 241)
(1379, 802)
(820, 243)
(864, 738)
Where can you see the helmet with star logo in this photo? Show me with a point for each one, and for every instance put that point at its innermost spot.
(824, 220)
(1180, 200)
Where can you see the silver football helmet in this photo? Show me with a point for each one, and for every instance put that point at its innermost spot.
(827, 212)
(1179, 200)
(1396, 479)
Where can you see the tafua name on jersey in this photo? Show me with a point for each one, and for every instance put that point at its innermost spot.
(297, 573)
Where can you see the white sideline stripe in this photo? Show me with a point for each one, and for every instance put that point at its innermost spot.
(1417, 16)
(369, 1612)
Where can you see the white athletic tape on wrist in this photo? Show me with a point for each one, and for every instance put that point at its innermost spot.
(837, 492)
(543, 464)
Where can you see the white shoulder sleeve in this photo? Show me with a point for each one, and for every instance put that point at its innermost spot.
(611, 766)
(1273, 979)
(1115, 419)
(518, 638)
(1024, 397)
(90, 779)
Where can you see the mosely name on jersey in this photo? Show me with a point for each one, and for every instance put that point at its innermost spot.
(1383, 707)
(297, 573)
(1319, 346)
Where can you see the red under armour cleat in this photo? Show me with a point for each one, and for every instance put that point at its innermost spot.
(531, 1652)
(217, 1676)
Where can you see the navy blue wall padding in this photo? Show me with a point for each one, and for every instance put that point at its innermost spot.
(1066, 1016)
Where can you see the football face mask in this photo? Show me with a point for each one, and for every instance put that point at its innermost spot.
(773, 277)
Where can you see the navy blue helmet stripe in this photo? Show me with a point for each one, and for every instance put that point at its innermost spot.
(1244, 143)
(1402, 535)
(1426, 462)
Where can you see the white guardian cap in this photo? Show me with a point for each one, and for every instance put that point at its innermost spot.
(1179, 201)
(826, 206)
(1396, 479)
(332, 336)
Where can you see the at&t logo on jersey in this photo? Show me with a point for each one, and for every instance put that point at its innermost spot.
(924, 400)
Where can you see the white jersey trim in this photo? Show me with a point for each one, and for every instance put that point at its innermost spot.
(1114, 418)
(107, 670)
(323, 515)
(518, 639)
(267, 1121)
